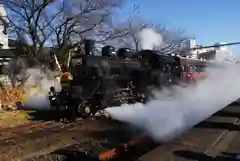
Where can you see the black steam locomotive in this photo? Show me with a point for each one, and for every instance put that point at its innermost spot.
(123, 76)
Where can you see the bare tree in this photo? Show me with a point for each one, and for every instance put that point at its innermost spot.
(26, 17)
(83, 19)
(172, 38)
(62, 22)
(66, 23)
(78, 20)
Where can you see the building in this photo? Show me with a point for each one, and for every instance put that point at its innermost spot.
(3, 28)
(190, 44)
(214, 52)
(217, 53)
(208, 55)
(5, 56)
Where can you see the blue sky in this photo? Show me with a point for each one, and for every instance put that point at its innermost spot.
(209, 21)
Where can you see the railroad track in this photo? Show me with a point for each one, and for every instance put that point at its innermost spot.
(15, 144)
(35, 129)
(200, 141)
(23, 129)
(36, 137)
(35, 132)
(140, 148)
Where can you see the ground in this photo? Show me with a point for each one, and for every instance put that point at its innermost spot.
(13, 118)
(9, 117)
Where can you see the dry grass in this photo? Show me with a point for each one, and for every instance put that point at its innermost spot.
(8, 97)
(13, 118)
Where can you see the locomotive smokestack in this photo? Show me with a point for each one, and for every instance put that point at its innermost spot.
(88, 46)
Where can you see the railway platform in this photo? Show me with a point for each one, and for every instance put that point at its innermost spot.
(216, 138)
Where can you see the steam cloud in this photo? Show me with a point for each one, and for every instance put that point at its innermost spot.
(36, 97)
(36, 82)
(150, 39)
(164, 119)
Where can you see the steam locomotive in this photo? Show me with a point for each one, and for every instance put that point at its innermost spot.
(123, 76)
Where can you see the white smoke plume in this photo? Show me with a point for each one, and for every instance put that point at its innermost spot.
(149, 39)
(36, 82)
(37, 87)
(164, 119)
